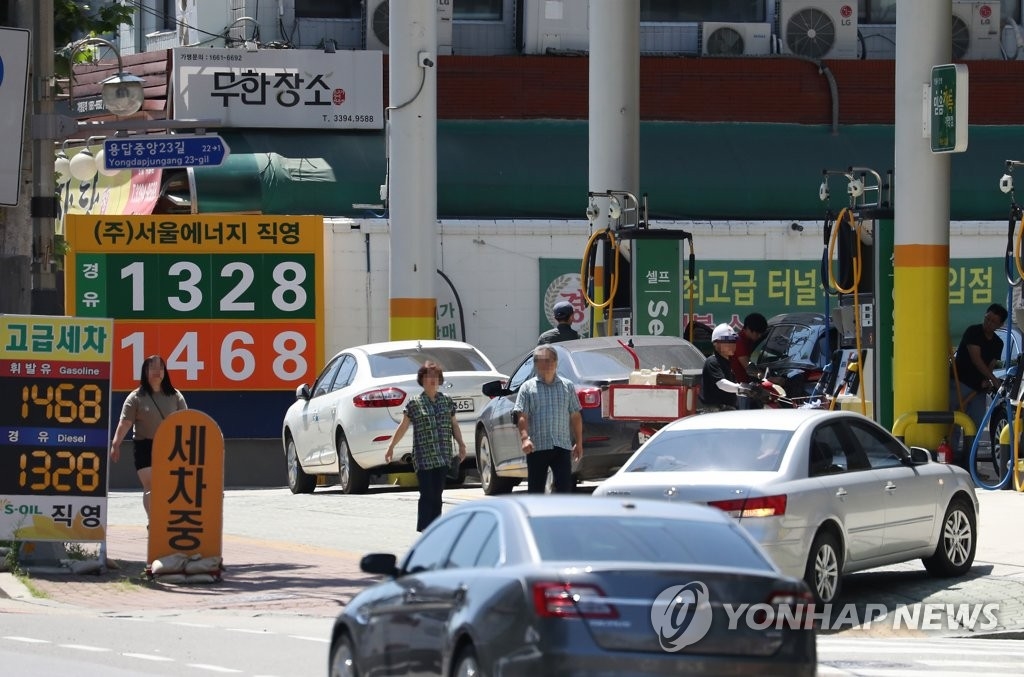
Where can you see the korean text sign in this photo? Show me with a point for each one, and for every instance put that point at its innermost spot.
(295, 88)
(187, 503)
(55, 418)
(232, 302)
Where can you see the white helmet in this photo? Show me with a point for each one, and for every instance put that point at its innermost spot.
(724, 332)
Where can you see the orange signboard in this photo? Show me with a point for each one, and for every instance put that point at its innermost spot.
(186, 510)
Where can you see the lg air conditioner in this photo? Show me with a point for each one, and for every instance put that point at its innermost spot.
(378, 16)
(735, 39)
(819, 29)
(976, 32)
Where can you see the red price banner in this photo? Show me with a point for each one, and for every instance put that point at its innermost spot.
(264, 355)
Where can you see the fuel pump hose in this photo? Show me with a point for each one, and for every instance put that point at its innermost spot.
(846, 215)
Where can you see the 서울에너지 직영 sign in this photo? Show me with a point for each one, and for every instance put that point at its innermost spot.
(54, 418)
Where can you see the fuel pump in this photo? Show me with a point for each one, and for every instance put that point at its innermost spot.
(655, 313)
(858, 271)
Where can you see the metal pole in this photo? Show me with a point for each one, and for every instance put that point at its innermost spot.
(45, 299)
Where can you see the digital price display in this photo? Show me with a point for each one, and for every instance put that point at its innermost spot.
(55, 376)
(232, 301)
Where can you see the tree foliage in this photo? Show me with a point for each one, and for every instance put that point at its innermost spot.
(76, 20)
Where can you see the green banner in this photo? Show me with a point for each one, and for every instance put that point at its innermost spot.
(658, 279)
(560, 281)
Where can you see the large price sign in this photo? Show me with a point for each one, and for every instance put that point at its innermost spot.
(54, 418)
(231, 301)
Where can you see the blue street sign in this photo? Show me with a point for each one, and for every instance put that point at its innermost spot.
(167, 152)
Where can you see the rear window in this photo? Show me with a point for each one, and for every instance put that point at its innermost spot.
(408, 362)
(658, 540)
(617, 363)
(713, 449)
(787, 342)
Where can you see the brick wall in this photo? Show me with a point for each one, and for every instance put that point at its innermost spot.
(778, 89)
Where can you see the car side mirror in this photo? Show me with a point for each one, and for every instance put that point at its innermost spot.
(919, 456)
(381, 563)
(302, 392)
(495, 389)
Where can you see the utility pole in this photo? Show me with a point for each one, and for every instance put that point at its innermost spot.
(46, 299)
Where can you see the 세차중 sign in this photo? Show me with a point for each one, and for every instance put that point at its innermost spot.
(187, 503)
(54, 418)
(232, 301)
(165, 152)
(281, 88)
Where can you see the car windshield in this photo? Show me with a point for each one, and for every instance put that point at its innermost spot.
(408, 361)
(658, 540)
(712, 449)
(615, 362)
(794, 342)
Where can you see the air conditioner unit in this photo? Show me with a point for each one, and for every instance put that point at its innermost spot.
(555, 25)
(735, 39)
(819, 29)
(976, 31)
(377, 18)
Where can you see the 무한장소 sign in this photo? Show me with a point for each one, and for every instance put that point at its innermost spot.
(165, 152)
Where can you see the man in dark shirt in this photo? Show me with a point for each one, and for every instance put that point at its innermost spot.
(717, 389)
(563, 312)
(971, 375)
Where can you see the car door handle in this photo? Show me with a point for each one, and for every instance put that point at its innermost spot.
(840, 492)
(409, 596)
(890, 486)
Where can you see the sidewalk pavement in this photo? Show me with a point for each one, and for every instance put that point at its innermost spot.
(263, 576)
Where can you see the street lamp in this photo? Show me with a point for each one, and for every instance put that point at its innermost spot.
(122, 92)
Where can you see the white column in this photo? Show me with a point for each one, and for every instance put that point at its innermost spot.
(412, 164)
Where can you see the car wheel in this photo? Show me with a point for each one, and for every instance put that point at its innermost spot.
(298, 481)
(491, 483)
(824, 565)
(343, 659)
(954, 553)
(995, 429)
(351, 476)
(467, 665)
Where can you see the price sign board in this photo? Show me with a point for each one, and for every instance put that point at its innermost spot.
(949, 108)
(55, 420)
(233, 302)
(166, 152)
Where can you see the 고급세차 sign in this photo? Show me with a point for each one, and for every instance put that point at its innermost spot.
(55, 421)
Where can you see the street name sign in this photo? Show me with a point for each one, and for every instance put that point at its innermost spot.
(949, 108)
(166, 152)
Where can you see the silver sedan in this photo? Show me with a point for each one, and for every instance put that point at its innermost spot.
(826, 493)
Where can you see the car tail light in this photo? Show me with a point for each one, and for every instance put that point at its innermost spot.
(788, 604)
(756, 506)
(568, 600)
(813, 376)
(590, 398)
(381, 397)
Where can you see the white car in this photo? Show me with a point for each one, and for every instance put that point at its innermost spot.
(343, 424)
(826, 493)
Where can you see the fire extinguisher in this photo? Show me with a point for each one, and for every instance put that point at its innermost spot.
(944, 454)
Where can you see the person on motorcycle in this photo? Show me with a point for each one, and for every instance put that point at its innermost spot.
(717, 390)
(754, 327)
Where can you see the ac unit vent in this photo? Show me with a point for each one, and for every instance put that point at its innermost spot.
(735, 39)
(819, 29)
(976, 32)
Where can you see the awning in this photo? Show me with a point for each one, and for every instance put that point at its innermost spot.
(538, 169)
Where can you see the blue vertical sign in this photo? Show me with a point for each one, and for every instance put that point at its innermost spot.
(14, 51)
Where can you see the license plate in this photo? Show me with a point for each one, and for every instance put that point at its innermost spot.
(463, 403)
